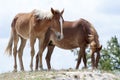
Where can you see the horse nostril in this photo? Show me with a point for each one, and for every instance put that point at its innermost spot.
(59, 37)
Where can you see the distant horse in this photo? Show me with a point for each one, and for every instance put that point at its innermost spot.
(77, 34)
(31, 26)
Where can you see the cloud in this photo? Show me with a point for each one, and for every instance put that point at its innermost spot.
(98, 12)
(109, 7)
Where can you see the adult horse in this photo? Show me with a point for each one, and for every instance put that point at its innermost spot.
(31, 26)
(77, 34)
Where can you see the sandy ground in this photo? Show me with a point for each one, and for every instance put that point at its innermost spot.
(62, 75)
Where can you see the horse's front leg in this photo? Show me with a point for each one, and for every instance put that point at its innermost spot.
(32, 42)
(93, 59)
(48, 56)
(42, 44)
(37, 61)
(97, 59)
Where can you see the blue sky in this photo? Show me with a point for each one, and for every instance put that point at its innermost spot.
(103, 14)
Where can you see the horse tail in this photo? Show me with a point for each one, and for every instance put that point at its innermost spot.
(8, 49)
(9, 46)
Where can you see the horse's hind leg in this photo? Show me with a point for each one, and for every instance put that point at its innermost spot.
(16, 38)
(32, 42)
(48, 56)
(84, 59)
(20, 53)
(80, 55)
(79, 60)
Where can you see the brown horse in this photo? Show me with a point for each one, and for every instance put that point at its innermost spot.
(77, 34)
(31, 26)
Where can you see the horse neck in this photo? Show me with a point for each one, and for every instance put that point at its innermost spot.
(94, 37)
(47, 22)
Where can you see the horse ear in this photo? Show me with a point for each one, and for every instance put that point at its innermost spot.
(52, 10)
(100, 48)
(62, 12)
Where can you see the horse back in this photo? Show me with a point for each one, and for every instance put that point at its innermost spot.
(20, 24)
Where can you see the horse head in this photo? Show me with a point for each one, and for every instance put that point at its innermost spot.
(95, 48)
(57, 23)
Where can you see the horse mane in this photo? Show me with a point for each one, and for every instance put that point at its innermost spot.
(42, 14)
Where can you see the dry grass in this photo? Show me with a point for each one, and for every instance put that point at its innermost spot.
(60, 75)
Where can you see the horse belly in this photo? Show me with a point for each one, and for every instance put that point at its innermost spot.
(24, 33)
(26, 36)
(67, 44)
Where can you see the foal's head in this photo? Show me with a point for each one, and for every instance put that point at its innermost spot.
(57, 23)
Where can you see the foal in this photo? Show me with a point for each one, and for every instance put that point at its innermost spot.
(77, 34)
(31, 26)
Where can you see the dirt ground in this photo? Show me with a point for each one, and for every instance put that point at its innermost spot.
(62, 75)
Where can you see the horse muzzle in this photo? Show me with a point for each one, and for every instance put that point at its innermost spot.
(59, 36)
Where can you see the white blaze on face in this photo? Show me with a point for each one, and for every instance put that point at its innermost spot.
(61, 26)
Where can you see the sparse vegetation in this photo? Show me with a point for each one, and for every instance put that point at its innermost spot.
(61, 75)
(110, 56)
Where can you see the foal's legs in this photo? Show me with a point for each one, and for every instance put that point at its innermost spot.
(20, 52)
(42, 46)
(48, 56)
(80, 55)
(32, 42)
(16, 38)
(37, 61)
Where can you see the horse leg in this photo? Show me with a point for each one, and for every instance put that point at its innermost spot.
(37, 60)
(82, 54)
(48, 56)
(97, 59)
(84, 59)
(93, 60)
(16, 38)
(32, 42)
(20, 53)
(42, 46)
(79, 58)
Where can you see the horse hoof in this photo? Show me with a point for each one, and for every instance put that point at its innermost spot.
(15, 70)
(22, 71)
(84, 68)
(31, 70)
(36, 70)
(41, 69)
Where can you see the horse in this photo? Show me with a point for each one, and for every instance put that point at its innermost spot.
(77, 34)
(33, 25)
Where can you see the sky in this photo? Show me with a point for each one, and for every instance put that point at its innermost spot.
(103, 14)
